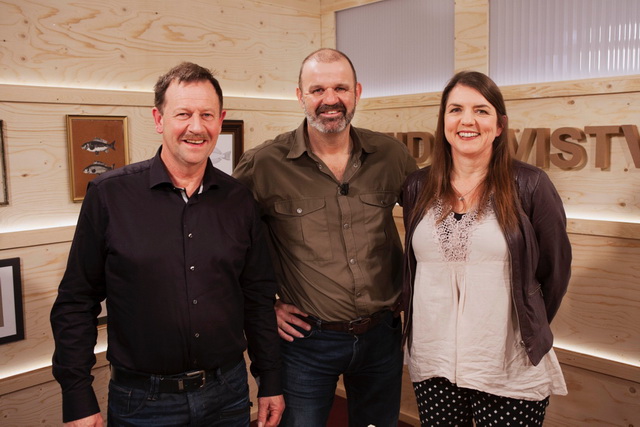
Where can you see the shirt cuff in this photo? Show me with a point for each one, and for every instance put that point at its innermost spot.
(79, 404)
(269, 383)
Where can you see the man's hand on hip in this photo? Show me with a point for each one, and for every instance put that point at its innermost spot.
(286, 314)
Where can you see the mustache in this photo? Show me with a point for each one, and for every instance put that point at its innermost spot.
(335, 107)
(193, 136)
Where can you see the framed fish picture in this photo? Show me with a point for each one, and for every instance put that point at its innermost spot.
(229, 147)
(97, 144)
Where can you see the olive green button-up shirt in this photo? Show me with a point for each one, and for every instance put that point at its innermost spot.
(336, 248)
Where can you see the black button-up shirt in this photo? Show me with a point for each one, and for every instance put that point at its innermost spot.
(183, 282)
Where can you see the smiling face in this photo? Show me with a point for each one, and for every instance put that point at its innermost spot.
(470, 123)
(328, 94)
(190, 123)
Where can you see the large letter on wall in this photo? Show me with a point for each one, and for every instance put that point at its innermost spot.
(603, 143)
(577, 153)
(633, 142)
(522, 150)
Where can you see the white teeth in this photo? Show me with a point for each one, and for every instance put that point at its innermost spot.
(468, 134)
(195, 141)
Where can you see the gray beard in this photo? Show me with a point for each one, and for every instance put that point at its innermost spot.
(329, 126)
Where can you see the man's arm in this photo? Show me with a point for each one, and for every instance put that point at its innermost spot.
(75, 311)
(259, 289)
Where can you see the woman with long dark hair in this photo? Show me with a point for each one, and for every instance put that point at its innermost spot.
(487, 263)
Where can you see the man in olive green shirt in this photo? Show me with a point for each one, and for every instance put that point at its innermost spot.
(327, 191)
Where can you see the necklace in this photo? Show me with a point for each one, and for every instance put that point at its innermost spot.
(462, 196)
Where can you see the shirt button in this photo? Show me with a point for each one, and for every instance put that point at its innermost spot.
(345, 226)
(195, 301)
(352, 261)
(190, 235)
(355, 165)
(192, 268)
(299, 210)
(319, 166)
(197, 335)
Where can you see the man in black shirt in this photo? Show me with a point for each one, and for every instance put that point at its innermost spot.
(178, 250)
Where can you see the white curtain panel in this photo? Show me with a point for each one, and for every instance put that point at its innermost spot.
(556, 40)
(399, 47)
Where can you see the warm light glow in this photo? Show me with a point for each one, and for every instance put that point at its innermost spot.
(580, 213)
(66, 85)
(41, 225)
(43, 362)
(600, 354)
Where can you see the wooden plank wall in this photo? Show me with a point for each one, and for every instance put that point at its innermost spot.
(104, 57)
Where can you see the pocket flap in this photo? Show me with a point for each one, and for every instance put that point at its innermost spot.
(381, 199)
(299, 207)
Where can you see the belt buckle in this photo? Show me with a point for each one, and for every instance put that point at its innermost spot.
(357, 323)
(193, 375)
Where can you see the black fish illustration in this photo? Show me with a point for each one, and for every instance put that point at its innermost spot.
(97, 168)
(96, 145)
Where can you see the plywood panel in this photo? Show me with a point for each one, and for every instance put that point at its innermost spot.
(41, 405)
(41, 271)
(601, 312)
(595, 400)
(472, 35)
(255, 46)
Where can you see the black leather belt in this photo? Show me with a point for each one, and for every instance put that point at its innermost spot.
(179, 383)
(357, 326)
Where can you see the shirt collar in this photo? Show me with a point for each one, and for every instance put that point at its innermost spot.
(301, 142)
(159, 176)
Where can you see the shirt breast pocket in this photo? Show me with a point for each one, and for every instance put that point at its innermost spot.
(302, 228)
(378, 217)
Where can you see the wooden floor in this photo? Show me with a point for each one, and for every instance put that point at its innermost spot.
(338, 416)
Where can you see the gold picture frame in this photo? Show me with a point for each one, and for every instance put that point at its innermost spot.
(97, 144)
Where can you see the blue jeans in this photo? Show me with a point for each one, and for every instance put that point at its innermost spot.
(224, 402)
(371, 365)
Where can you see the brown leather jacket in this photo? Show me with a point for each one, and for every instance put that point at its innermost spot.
(540, 255)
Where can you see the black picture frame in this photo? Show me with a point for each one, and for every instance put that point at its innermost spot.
(11, 310)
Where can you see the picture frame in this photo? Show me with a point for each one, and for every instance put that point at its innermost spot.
(97, 144)
(11, 310)
(229, 147)
(4, 187)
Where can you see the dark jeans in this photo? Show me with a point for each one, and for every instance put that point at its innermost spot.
(371, 365)
(224, 402)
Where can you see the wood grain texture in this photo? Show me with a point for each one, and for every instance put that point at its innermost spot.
(255, 46)
(41, 405)
(595, 400)
(472, 35)
(600, 313)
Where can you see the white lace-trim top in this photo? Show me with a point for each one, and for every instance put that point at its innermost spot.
(464, 323)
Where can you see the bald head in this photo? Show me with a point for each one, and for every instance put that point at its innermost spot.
(326, 55)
